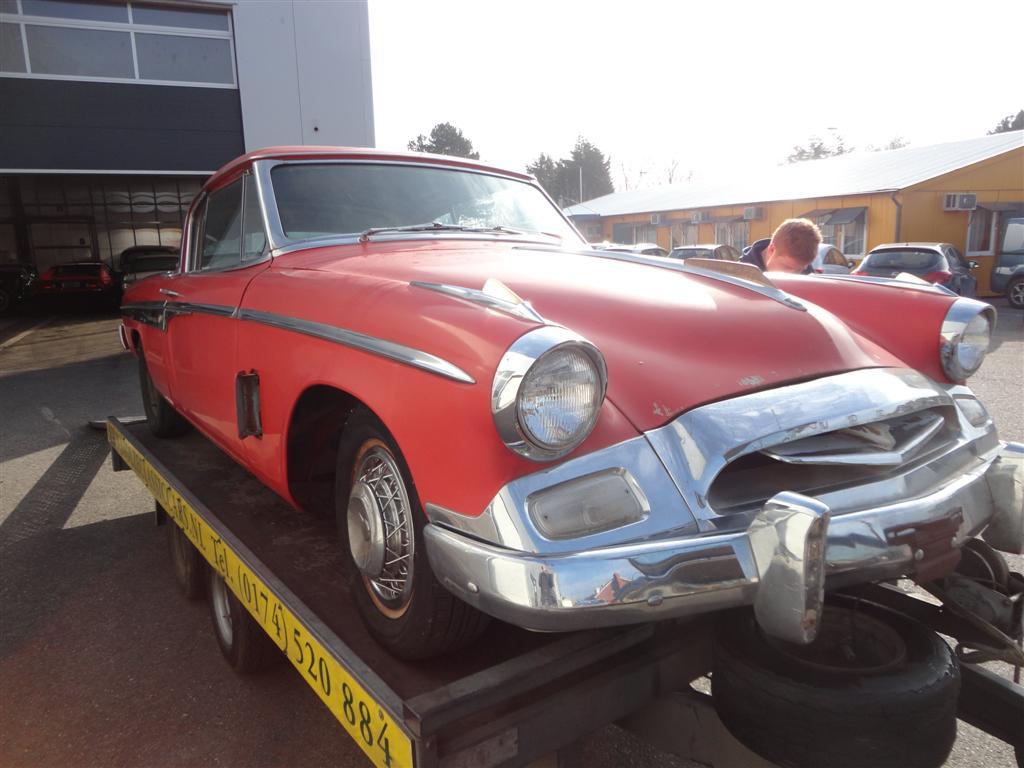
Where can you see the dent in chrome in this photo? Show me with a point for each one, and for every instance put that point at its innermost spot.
(700, 443)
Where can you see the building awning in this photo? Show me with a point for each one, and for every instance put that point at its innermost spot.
(1001, 206)
(834, 215)
(727, 219)
(585, 217)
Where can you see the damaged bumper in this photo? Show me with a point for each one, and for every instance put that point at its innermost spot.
(777, 558)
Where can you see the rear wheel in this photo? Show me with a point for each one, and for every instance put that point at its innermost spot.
(875, 688)
(189, 566)
(380, 523)
(163, 420)
(243, 642)
(1015, 293)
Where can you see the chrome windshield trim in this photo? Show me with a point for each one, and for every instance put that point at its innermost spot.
(381, 347)
(520, 309)
(698, 445)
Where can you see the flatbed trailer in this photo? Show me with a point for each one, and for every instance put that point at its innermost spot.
(513, 699)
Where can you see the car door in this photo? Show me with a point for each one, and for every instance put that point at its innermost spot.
(963, 281)
(227, 249)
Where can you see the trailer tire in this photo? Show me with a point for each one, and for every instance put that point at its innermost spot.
(893, 705)
(163, 420)
(188, 565)
(243, 642)
(423, 619)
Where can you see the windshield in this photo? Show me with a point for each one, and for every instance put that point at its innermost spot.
(77, 269)
(692, 253)
(161, 262)
(316, 199)
(906, 260)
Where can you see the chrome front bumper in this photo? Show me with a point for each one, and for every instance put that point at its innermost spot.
(700, 573)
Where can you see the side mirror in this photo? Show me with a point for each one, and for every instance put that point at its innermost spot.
(850, 263)
(973, 264)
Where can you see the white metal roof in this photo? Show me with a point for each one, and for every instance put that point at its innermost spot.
(850, 174)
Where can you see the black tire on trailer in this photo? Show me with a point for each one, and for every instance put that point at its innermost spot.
(876, 688)
(188, 565)
(6, 300)
(243, 642)
(400, 600)
(1015, 293)
(163, 420)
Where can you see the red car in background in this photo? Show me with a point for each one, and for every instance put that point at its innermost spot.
(82, 278)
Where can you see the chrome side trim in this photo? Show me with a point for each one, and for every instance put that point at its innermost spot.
(381, 347)
(147, 312)
(520, 309)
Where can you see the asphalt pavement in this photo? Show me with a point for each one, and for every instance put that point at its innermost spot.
(104, 663)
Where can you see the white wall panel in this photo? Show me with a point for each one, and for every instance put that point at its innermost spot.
(304, 72)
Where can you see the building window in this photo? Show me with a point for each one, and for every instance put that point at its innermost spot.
(844, 228)
(684, 234)
(116, 42)
(979, 231)
(734, 233)
(634, 233)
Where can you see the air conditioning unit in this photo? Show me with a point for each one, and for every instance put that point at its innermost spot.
(655, 219)
(753, 213)
(959, 201)
(699, 217)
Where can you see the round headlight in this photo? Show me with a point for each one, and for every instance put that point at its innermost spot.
(547, 393)
(965, 337)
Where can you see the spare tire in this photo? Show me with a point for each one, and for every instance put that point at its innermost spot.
(876, 688)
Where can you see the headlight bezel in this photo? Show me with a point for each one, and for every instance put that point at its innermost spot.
(513, 369)
(955, 325)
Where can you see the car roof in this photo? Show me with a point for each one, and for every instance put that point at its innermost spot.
(353, 153)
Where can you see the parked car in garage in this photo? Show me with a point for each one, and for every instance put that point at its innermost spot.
(506, 423)
(710, 251)
(643, 249)
(16, 282)
(1008, 270)
(939, 263)
(141, 261)
(83, 279)
(831, 261)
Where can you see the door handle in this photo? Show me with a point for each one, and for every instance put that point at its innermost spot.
(169, 292)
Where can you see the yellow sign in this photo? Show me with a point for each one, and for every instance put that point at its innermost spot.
(366, 721)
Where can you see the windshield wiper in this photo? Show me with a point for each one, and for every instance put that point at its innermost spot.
(439, 227)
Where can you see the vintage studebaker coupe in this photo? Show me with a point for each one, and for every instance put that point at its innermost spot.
(507, 423)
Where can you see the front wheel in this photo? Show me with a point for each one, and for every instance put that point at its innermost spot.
(163, 420)
(380, 524)
(1015, 293)
(875, 688)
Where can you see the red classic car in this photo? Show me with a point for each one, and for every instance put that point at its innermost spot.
(509, 423)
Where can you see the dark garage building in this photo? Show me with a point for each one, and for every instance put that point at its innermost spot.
(113, 113)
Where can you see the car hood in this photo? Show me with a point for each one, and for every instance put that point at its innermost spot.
(672, 340)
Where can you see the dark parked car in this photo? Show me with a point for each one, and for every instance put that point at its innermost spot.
(15, 284)
(831, 261)
(141, 261)
(84, 278)
(1008, 272)
(641, 249)
(711, 251)
(939, 263)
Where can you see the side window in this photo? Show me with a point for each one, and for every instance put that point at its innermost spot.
(836, 258)
(222, 229)
(254, 238)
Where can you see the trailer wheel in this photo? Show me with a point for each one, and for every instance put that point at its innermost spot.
(380, 523)
(243, 642)
(875, 688)
(163, 420)
(188, 565)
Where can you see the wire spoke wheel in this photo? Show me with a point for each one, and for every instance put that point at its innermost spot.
(380, 528)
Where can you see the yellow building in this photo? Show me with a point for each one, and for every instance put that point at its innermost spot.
(956, 193)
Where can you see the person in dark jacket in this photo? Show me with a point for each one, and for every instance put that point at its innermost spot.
(792, 248)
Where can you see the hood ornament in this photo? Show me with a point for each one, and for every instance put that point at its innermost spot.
(494, 295)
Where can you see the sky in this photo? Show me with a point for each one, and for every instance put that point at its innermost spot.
(705, 90)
